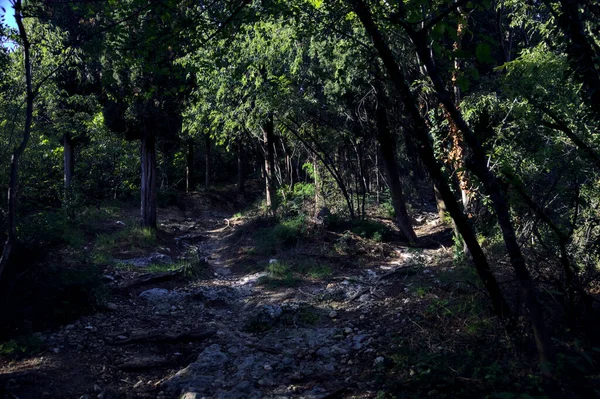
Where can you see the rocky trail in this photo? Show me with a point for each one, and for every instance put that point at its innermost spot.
(226, 335)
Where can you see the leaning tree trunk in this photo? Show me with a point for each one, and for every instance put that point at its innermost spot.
(207, 160)
(268, 138)
(148, 184)
(189, 167)
(11, 222)
(387, 145)
(477, 163)
(421, 136)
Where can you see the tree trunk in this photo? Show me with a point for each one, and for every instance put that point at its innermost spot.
(580, 50)
(268, 138)
(421, 136)
(317, 178)
(207, 160)
(69, 163)
(11, 237)
(189, 167)
(478, 165)
(241, 174)
(388, 153)
(148, 184)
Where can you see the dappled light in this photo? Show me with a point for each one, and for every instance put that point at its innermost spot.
(251, 199)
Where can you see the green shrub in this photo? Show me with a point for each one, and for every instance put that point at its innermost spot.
(279, 275)
(24, 345)
(130, 239)
(49, 228)
(284, 234)
(388, 210)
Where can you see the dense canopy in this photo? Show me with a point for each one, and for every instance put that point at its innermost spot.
(463, 132)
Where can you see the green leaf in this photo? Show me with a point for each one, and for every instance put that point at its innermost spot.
(483, 52)
(463, 83)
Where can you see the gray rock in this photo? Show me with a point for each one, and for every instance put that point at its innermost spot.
(142, 262)
(154, 294)
(322, 217)
(364, 298)
(203, 374)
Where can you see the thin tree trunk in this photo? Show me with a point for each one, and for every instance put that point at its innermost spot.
(387, 145)
(317, 185)
(582, 51)
(329, 164)
(207, 160)
(571, 278)
(241, 174)
(478, 165)
(11, 237)
(377, 176)
(420, 132)
(189, 167)
(148, 184)
(69, 163)
(268, 138)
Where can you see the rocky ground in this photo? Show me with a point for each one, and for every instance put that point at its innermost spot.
(226, 335)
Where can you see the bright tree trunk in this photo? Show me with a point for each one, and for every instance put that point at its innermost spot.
(148, 184)
(268, 138)
(189, 168)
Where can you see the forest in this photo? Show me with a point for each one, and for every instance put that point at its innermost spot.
(310, 199)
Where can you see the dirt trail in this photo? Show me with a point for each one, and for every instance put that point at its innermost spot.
(226, 336)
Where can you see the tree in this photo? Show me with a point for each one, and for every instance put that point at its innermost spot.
(11, 238)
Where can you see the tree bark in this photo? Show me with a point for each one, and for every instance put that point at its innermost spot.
(421, 136)
(478, 165)
(269, 138)
(317, 181)
(207, 160)
(148, 184)
(241, 165)
(388, 153)
(11, 221)
(69, 162)
(189, 167)
(580, 50)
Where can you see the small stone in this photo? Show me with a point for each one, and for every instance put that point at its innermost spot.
(55, 350)
(378, 360)
(154, 293)
(267, 367)
(271, 261)
(333, 314)
(111, 306)
(347, 330)
(97, 388)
